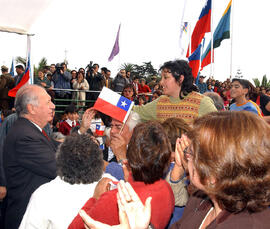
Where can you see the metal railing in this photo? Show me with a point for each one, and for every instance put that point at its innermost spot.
(61, 104)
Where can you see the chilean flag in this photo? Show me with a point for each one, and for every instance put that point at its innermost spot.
(24, 80)
(194, 61)
(100, 129)
(113, 104)
(203, 26)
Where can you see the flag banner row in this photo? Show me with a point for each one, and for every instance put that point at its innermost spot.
(202, 26)
(222, 32)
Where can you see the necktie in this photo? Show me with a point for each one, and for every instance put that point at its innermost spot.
(45, 134)
(73, 123)
(107, 83)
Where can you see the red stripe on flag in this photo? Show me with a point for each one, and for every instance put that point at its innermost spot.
(110, 109)
(203, 26)
(24, 80)
(207, 60)
(195, 65)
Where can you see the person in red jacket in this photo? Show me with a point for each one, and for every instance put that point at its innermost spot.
(144, 89)
(66, 126)
(148, 159)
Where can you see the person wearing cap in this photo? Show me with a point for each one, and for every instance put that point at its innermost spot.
(6, 83)
(201, 85)
(20, 71)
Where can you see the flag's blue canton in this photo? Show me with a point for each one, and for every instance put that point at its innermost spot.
(124, 103)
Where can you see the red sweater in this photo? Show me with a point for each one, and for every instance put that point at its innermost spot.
(144, 89)
(65, 128)
(105, 209)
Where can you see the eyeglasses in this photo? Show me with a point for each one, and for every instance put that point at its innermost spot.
(188, 154)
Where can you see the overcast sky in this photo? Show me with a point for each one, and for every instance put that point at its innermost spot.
(150, 30)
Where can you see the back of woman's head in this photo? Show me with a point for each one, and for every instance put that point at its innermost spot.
(149, 152)
(233, 148)
(79, 159)
(175, 127)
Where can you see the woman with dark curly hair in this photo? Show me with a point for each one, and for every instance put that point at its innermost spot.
(180, 99)
(148, 160)
(228, 160)
(79, 167)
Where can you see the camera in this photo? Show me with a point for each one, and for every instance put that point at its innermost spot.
(58, 68)
(89, 67)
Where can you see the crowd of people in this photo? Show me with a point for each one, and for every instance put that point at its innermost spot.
(191, 156)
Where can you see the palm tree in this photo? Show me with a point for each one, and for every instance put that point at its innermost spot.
(20, 60)
(128, 67)
(41, 65)
(256, 82)
(265, 82)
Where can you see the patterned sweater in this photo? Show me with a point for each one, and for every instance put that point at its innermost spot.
(189, 108)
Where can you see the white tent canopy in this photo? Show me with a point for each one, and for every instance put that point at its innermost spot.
(17, 16)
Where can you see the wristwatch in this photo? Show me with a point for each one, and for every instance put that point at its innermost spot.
(122, 161)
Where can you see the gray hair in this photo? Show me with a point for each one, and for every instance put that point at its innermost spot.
(133, 120)
(218, 101)
(25, 95)
(57, 136)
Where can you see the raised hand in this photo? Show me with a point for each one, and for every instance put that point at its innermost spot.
(132, 213)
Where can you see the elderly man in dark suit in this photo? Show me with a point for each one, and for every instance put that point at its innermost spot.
(28, 154)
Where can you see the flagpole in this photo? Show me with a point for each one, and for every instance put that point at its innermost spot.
(189, 39)
(28, 54)
(182, 26)
(202, 47)
(212, 50)
(232, 16)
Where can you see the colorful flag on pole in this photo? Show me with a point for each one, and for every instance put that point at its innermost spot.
(116, 48)
(24, 80)
(184, 29)
(12, 68)
(113, 104)
(185, 25)
(222, 32)
(194, 61)
(31, 77)
(203, 26)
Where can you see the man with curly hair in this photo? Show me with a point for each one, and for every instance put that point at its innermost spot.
(79, 167)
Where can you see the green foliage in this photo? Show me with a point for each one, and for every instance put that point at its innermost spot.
(20, 60)
(128, 67)
(256, 82)
(146, 70)
(41, 65)
(265, 82)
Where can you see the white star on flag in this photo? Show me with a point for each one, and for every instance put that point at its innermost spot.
(123, 103)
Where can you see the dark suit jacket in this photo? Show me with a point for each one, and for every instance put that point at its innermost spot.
(29, 161)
